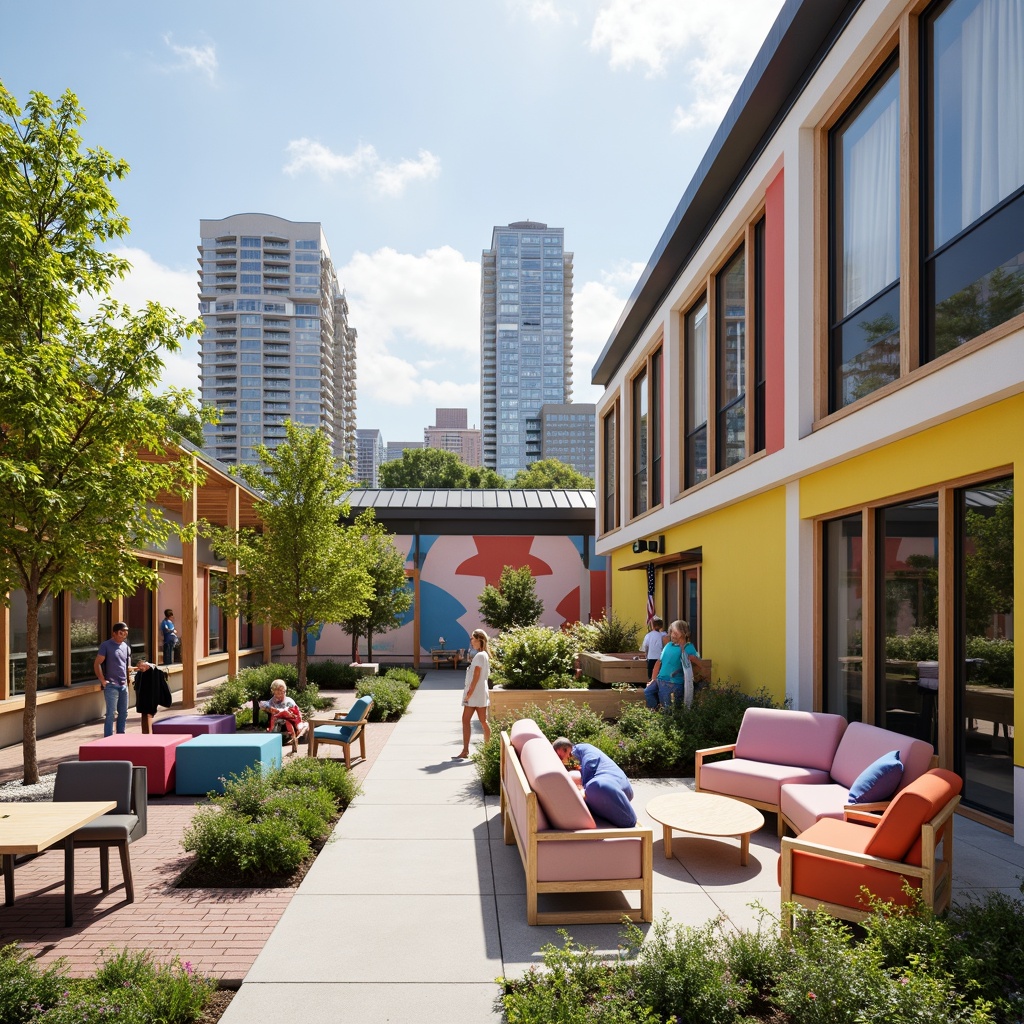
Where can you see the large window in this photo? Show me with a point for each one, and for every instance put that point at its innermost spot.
(731, 362)
(842, 669)
(610, 470)
(696, 422)
(647, 435)
(864, 347)
(90, 626)
(974, 203)
(48, 677)
(760, 375)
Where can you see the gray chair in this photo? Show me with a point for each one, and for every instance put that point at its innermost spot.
(107, 780)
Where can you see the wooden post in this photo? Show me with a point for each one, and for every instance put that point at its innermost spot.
(190, 638)
(231, 621)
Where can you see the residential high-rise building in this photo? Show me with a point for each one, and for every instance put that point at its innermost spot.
(277, 343)
(451, 433)
(395, 449)
(370, 453)
(567, 433)
(525, 339)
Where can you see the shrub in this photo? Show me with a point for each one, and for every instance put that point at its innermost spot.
(405, 675)
(534, 657)
(257, 680)
(170, 993)
(921, 644)
(644, 742)
(614, 635)
(513, 602)
(225, 841)
(583, 635)
(24, 986)
(331, 675)
(391, 697)
(321, 773)
(996, 660)
(226, 698)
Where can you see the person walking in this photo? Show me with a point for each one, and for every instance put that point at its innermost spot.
(112, 666)
(168, 635)
(475, 696)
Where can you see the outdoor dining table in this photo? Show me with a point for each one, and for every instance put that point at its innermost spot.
(31, 827)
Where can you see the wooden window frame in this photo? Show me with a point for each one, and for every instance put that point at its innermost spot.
(651, 371)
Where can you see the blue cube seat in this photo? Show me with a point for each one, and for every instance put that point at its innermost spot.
(205, 761)
(344, 729)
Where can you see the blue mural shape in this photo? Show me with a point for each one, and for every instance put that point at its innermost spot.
(313, 634)
(439, 616)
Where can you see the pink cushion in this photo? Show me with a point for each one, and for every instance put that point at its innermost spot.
(778, 736)
(557, 794)
(517, 808)
(755, 780)
(585, 861)
(803, 805)
(863, 744)
(523, 730)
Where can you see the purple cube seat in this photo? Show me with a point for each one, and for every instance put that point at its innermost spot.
(155, 752)
(195, 725)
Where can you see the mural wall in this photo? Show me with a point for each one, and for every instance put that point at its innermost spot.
(454, 570)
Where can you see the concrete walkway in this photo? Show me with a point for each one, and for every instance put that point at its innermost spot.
(416, 906)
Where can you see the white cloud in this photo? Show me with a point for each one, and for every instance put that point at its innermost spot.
(597, 306)
(415, 315)
(717, 42)
(387, 178)
(542, 11)
(192, 58)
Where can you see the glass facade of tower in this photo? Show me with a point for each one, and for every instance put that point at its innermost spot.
(525, 339)
(277, 343)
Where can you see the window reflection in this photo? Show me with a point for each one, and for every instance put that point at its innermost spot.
(48, 677)
(843, 608)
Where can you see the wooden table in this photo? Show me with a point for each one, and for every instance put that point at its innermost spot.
(28, 827)
(706, 814)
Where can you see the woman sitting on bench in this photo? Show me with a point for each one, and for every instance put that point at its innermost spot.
(285, 716)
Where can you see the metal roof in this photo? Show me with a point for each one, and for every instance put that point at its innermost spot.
(802, 35)
(458, 503)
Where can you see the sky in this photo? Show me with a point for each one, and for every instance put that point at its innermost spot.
(409, 129)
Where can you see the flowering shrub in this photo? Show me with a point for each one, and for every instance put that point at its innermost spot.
(535, 657)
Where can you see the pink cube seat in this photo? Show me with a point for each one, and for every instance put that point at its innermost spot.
(157, 753)
(196, 725)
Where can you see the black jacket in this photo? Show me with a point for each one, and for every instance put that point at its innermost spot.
(151, 689)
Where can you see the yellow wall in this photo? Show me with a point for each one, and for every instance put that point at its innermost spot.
(743, 589)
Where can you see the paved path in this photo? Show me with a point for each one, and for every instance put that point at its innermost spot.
(416, 906)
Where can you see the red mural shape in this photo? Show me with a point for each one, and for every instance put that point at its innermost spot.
(569, 606)
(494, 553)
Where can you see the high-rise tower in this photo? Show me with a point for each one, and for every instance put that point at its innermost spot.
(525, 339)
(277, 344)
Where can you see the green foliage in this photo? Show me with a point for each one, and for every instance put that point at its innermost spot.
(76, 499)
(256, 680)
(405, 675)
(921, 644)
(266, 824)
(303, 568)
(534, 657)
(227, 697)
(513, 602)
(645, 742)
(988, 568)
(129, 988)
(551, 474)
(331, 675)
(583, 635)
(435, 467)
(615, 635)
(24, 985)
(994, 665)
(390, 595)
(391, 697)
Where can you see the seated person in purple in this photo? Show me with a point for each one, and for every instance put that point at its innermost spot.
(605, 786)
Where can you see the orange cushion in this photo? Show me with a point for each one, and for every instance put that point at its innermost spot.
(900, 827)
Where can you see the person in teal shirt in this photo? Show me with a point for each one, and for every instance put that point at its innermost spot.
(672, 678)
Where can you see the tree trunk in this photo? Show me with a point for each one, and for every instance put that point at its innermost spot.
(369, 645)
(28, 720)
(355, 646)
(300, 660)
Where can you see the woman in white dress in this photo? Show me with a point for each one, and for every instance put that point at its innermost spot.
(475, 697)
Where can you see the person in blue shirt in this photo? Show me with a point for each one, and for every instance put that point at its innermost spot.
(672, 678)
(168, 635)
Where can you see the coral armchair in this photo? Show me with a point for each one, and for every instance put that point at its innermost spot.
(830, 863)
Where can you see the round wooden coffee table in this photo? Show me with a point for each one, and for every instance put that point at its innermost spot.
(706, 814)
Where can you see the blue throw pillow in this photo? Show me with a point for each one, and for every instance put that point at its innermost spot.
(879, 780)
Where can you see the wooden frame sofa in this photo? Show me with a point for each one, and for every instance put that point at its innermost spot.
(537, 796)
(802, 764)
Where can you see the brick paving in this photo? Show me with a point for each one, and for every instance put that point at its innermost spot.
(221, 931)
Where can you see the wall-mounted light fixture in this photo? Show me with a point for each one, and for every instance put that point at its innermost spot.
(655, 544)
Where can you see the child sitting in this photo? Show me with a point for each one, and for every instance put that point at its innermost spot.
(285, 715)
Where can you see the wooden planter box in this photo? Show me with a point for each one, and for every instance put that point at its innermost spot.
(607, 703)
(615, 668)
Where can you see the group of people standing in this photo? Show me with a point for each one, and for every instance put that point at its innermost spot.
(671, 658)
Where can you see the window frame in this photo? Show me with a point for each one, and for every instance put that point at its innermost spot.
(608, 463)
(646, 386)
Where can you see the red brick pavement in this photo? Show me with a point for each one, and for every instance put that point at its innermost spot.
(221, 931)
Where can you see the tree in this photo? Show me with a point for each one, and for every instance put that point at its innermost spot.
(436, 467)
(552, 474)
(77, 498)
(513, 602)
(305, 568)
(385, 565)
(185, 420)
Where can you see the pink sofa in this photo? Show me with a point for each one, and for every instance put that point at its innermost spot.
(562, 847)
(800, 764)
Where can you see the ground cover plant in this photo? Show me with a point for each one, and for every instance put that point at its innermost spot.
(904, 966)
(129, 987)
(266, 829)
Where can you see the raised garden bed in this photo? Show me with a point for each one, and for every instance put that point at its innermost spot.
(605, 702)
(630, 667)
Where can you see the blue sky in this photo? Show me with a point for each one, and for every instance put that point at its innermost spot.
(409, 128)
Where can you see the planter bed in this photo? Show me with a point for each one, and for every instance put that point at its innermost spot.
(606, 703)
